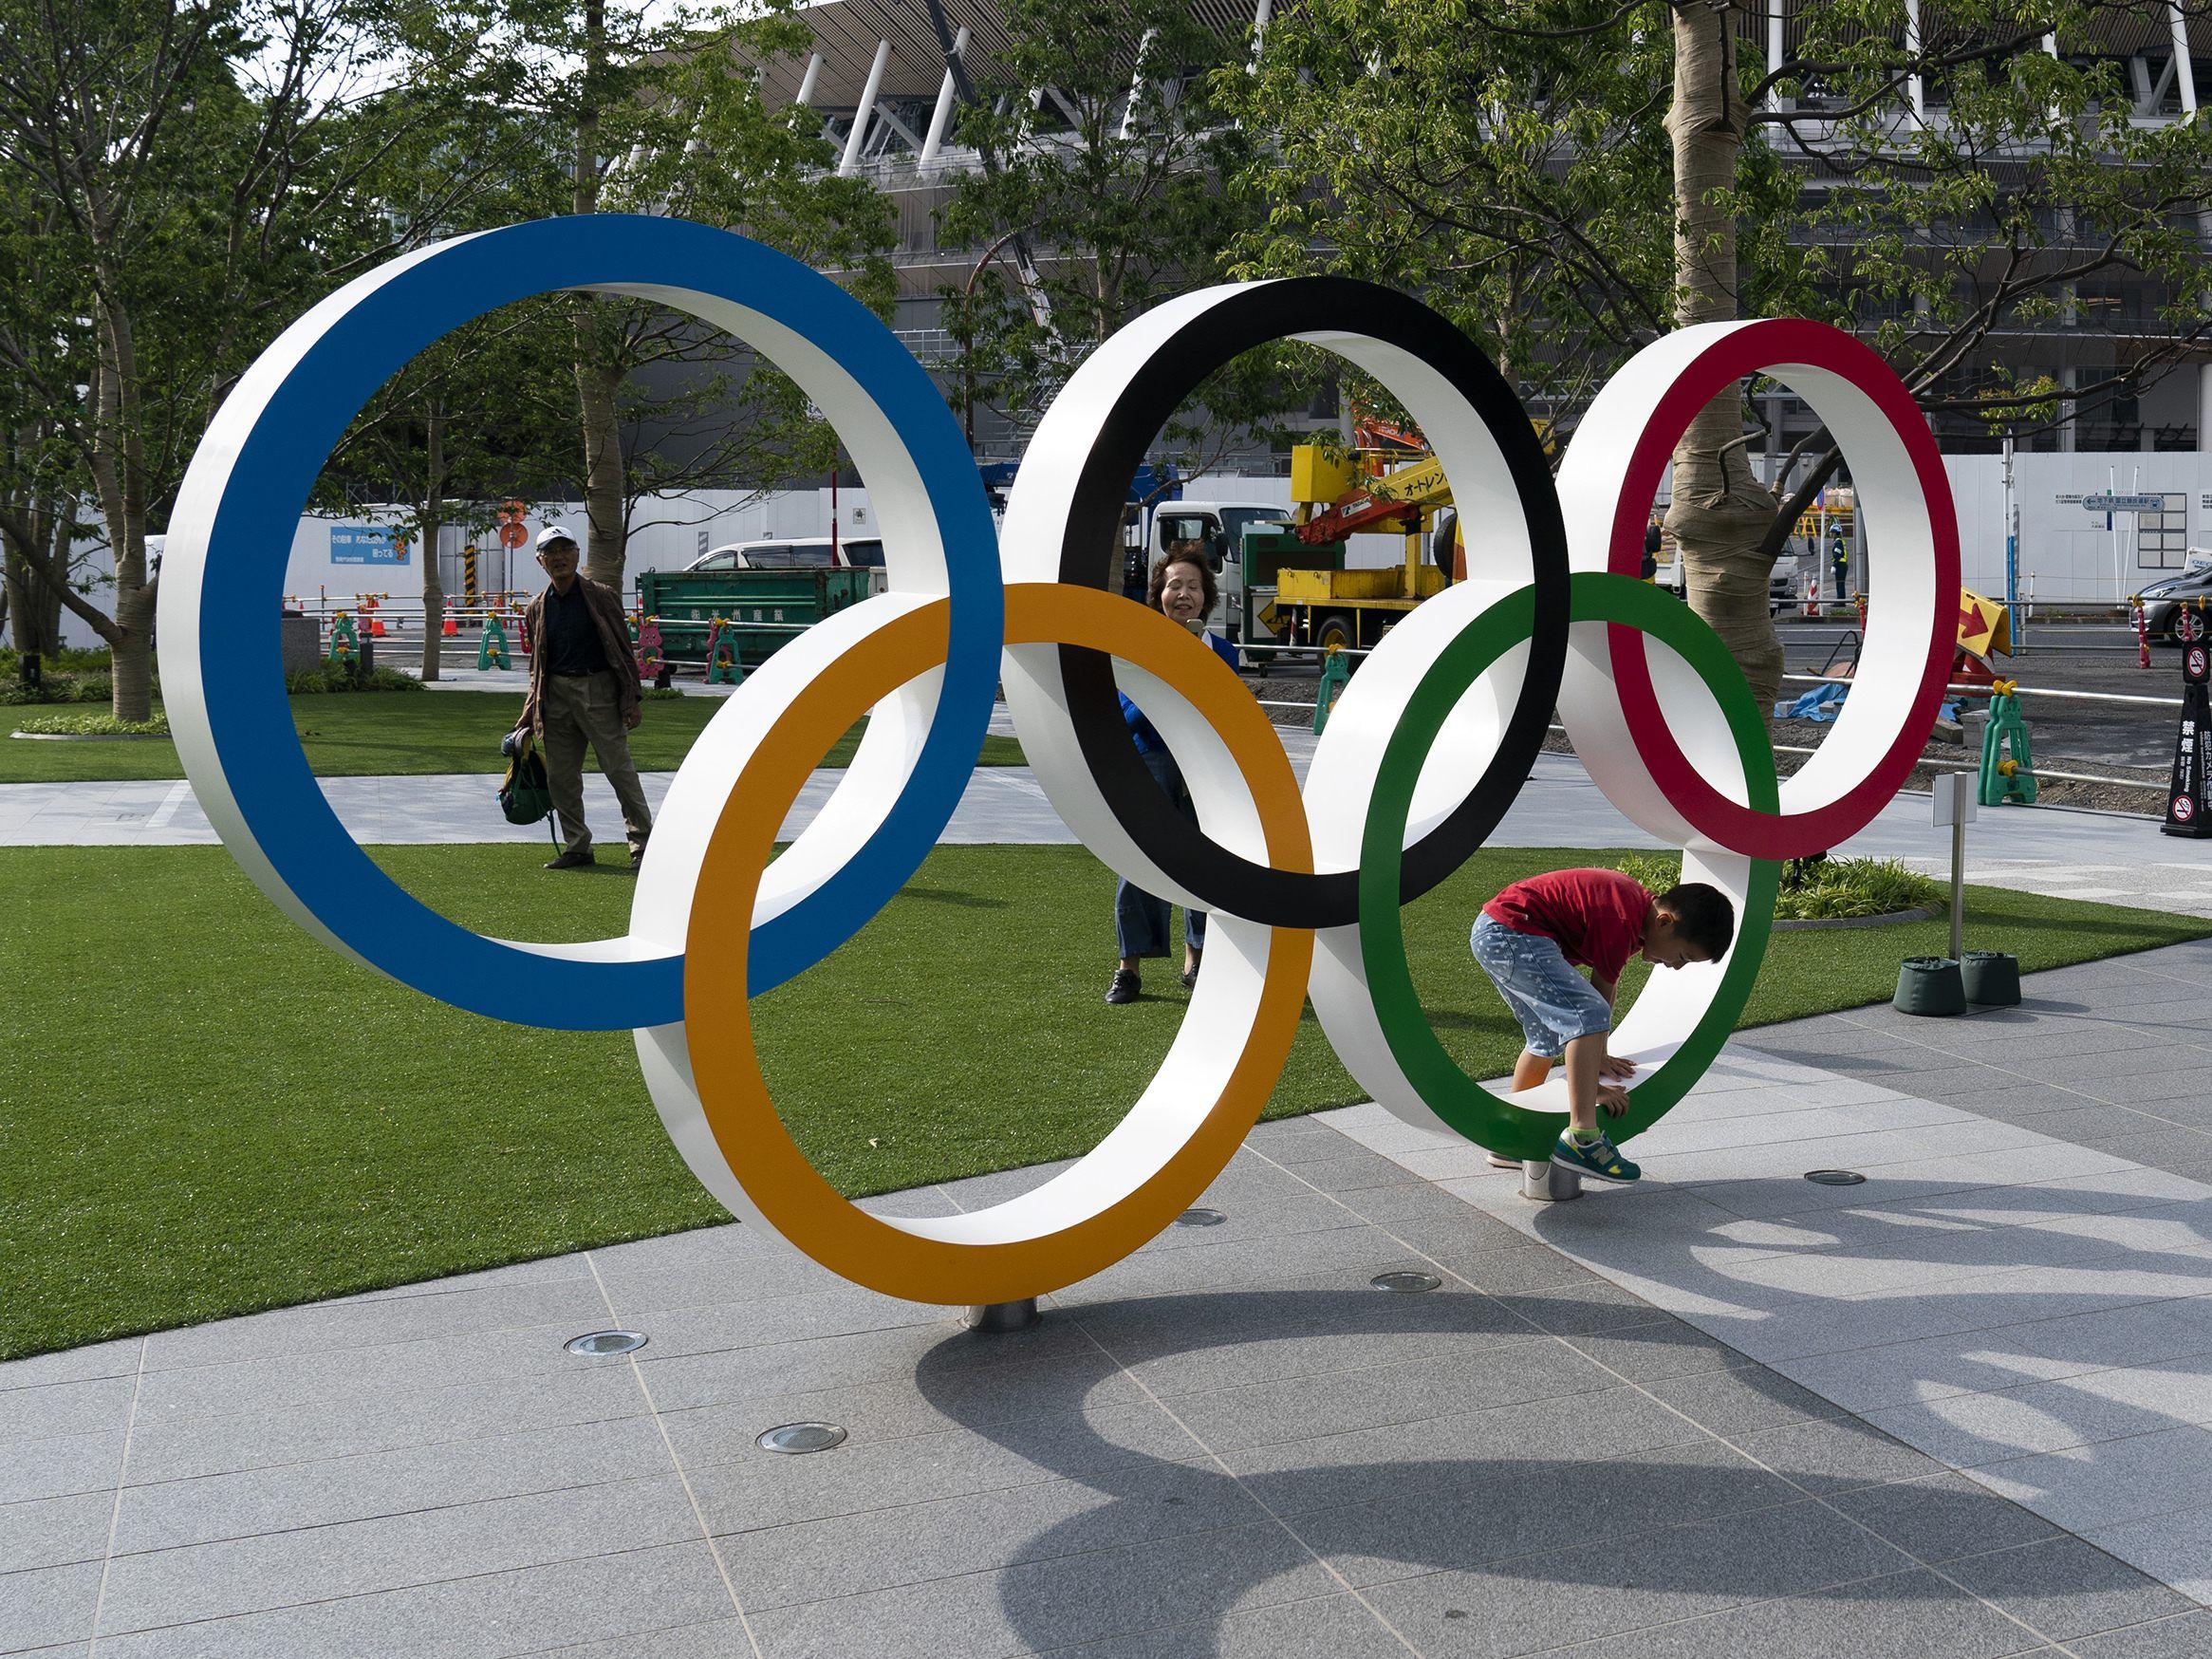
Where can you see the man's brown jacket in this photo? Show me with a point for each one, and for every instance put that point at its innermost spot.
(614, 639)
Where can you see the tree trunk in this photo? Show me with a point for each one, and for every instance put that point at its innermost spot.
(1720, 513)
(131, 657)
(606, 486)
(119, 478)
(432, 521)
(33, 605)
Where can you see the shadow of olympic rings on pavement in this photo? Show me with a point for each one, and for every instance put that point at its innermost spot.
(1547, 1487)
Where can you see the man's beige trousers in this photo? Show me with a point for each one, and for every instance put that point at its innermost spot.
(577, 710)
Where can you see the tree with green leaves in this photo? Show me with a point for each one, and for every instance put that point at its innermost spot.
(186, 179)
(38, 484)
(1110, 171)
(661, 118)
(487, 414)
(1574, 178)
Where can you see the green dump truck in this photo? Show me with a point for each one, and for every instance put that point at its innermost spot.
(763, 608)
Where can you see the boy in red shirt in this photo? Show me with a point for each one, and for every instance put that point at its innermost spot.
(1532, 938)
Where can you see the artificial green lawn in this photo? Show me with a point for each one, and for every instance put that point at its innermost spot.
(207, 1112)
(359, 733)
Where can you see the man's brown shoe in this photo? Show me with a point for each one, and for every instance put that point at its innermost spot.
(575, 858)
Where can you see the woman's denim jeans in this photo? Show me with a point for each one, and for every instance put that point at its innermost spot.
(1140, 921)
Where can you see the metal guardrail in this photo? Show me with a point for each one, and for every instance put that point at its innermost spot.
(397, 610)
(1345, 650)
(2162, 702)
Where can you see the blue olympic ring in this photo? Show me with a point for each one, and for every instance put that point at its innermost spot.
(361, 336)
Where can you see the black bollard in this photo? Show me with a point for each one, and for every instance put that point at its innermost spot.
(2187, 810)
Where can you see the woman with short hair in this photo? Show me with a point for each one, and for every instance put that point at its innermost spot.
(1182, 589)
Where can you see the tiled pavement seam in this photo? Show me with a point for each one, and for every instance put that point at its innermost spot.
(2158, 1102)
(1444, 1270)
(122, 1476)
(676, 1463)
(1462, 1281)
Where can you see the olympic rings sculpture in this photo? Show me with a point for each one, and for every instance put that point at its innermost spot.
(1305, 887)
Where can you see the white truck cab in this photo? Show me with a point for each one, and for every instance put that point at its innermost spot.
(1217, 530)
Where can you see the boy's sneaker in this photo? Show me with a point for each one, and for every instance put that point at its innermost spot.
(1597, 1159)
(1499, 1161)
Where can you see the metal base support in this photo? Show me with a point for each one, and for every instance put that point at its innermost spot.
(1547, 1183)
(999, 1317)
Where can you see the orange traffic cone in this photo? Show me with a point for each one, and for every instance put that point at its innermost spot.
(450, 628)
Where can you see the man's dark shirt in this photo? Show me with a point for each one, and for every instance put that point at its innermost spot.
(572, 642)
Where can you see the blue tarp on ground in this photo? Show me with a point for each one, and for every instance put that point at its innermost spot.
(1823, 702)
(1820, 703)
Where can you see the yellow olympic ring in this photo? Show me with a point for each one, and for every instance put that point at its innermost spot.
(1172, 1143)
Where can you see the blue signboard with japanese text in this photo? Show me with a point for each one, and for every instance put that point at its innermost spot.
(367, 543)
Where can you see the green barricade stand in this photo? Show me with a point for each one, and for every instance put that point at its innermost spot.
(722, 655)
(2008, 761)
(1335, 675)
(491, 652)
(344, 642)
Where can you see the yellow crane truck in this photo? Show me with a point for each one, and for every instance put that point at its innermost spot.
(1315, 600)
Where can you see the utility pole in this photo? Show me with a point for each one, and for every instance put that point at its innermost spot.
(2012, 555)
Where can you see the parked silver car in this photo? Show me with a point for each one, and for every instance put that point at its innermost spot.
(2161, 601)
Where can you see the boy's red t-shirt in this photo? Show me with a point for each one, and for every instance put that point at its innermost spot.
(1596, 916)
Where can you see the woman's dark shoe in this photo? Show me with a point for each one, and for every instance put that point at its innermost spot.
(1125, 987)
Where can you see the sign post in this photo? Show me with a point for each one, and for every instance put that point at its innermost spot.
(1955, 807)
(2012, 554)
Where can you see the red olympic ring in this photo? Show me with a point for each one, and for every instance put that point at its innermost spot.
(1905, 497)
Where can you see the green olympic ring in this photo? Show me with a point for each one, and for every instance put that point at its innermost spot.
(1471, 1110)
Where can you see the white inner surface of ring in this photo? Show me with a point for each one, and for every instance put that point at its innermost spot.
(916, 571)
(1672, 1000)
(1223, 1008)
(1185, 1091)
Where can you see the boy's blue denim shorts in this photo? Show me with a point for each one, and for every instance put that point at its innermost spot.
(1553, 1004)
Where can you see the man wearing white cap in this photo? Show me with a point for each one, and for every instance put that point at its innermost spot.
(582, 689)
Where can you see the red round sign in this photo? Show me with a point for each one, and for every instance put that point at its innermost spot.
(512, 534)
(2184, 809)
(2196, 665)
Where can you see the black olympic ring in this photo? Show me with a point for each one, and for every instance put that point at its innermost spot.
(1305, 306)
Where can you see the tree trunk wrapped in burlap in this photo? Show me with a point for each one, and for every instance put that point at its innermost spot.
(1720, 512)
(1718, 519)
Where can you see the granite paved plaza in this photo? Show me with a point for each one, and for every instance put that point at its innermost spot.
(1961, 1409)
